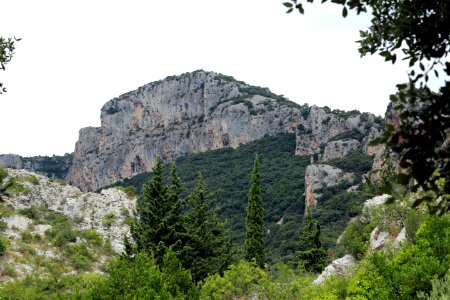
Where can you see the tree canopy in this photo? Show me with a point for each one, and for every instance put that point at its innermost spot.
(7, 48)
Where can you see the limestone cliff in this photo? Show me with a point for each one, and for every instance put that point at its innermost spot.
(53, 166)
(194, 112)
(346, 130)
(320, 176)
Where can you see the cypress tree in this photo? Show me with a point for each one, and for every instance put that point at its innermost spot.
(209, 248)
(254, 231)
(314, 257)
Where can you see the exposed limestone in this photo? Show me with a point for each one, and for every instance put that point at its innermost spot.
(323, 124)
(339, 149)
(378, 239)
(373, 134)
(52, 166)
(191, 113)
(338, 267)
(89, 210)
(319, 176)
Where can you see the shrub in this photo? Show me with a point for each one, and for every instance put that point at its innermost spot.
(140, 278)
(32, 213)
(62, 231)
(3, 226)
(130, 191)
(354, 239)
(32, 179)
(92, 237)
(244, 280)
(57, 180)
(440, 290)
(26, 236)
(109, 219)
(2, 246)
(79, 256)
(107, 247)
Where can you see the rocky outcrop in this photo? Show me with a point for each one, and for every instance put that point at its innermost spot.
(339, 149)
(105, 213)
(319, 176)
(52, 166)
(194, 112)
(339, 267)
(322, 125)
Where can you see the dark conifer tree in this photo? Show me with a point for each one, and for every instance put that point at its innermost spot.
(209, 248)
(254, 227)
(159, 224)
(314, 257)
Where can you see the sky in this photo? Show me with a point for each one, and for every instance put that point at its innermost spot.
(75, 56)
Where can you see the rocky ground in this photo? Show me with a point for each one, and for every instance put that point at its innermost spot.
(50, 227)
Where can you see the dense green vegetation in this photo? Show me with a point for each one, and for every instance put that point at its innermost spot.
(227, 174)
(418, 269)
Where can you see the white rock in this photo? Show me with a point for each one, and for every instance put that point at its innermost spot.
(401, 237)
(17, 222)
(88, 209)
(338, 267)
(378, 239)
(41, 229)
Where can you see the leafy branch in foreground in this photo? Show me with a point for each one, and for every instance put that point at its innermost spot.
(7, 48)
(419, 30)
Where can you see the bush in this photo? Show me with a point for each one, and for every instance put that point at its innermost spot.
(354, 239)
(26, 236)
(79, 256)
(32, 179)
(109, 219)
(241, 281)
(92, 237)
(440, 290)
(32, 213)
(130, 191)
(3, 225)
(61, 232)
(411, 270)
(2, 246)
(140, 278)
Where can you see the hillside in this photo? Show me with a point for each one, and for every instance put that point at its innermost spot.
(227, 173)
(48, 228)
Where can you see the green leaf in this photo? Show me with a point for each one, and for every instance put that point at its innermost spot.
(344, 12)
(289, 10)
(288, 4)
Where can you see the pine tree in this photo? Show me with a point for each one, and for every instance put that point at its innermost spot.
(159, 224)
(209, 247)
(314, 257)
(254, 231)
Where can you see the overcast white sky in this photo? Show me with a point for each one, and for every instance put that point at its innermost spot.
(76, 55)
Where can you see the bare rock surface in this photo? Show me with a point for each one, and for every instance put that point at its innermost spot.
(191, 113)
(318, 176)
(104, 212)
(338, 267)
(339, 149)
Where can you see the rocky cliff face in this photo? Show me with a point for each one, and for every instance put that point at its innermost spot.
(344, 129)
(52, 166)
(180, 115)
(319, 176)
